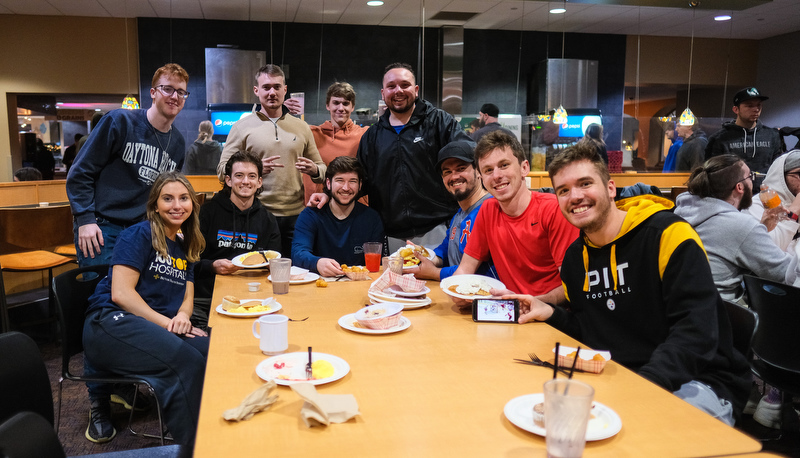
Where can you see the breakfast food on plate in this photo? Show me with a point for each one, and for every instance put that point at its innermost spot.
(230, 302)
(355, 272)
(253, 258)
(271, 254)
(251, 307)
(471, 288)
(321, 283)
(321, 369)
(297, 273)
(407, 253)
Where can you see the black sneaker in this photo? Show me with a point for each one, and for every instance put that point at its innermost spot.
(100, 428)
(123, 394)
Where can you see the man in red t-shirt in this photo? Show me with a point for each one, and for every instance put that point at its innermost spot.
(523, 232)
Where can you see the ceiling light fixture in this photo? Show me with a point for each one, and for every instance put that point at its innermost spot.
(687, 118)
(722, 18)
(558, 11)
(129, 102)
(560, 116)
(375, 3)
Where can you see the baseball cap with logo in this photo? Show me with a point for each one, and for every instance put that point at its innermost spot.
(747, 94)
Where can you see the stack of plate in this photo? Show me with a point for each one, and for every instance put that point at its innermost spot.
(409, 300)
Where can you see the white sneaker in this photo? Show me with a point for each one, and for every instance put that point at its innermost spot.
(768, 413)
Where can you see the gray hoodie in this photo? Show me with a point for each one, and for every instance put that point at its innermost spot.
(736, 243)
(783, 234)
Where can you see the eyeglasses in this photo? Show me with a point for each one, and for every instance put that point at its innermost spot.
(169, 90)
(751, 176)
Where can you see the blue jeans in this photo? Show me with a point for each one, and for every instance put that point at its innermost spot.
(110, 233)
(704, 398)
(122, 343)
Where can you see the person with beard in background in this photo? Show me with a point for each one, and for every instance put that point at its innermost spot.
(326, 238)
(488, 121)
(736, 243)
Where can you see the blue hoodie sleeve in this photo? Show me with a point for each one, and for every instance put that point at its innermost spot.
(305, 230)
(93, 157)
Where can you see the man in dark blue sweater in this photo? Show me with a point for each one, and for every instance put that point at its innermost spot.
(328, 237)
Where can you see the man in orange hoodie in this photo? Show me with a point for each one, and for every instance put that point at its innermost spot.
(340, 135)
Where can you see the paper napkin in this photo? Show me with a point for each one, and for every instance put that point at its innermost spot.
(255, 402)
(324, 409)
(389, 278)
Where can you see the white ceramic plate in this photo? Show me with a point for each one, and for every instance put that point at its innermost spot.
(348, 321)
(274, 307)
(294, 367)
(408, 304)
(311, 276)
(394, 289)
(460, 279)
(605, 422)
(237, 261)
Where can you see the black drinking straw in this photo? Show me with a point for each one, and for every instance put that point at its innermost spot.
(555, 366)
(574, 362)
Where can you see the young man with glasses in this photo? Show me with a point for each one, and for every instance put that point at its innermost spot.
(783, 177)
(736, 243)
(108, 185)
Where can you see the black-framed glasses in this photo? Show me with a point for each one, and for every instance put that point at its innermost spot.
(751, 176)
(169, 90)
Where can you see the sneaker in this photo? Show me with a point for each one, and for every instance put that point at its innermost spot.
(100, 428)
(123, 394)
(768, 413)
(752, 401)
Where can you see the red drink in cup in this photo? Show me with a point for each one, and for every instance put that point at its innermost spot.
(372, 255)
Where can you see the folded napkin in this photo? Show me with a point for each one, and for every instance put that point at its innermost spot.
(406, 282)
(325, 409)
(255, 402)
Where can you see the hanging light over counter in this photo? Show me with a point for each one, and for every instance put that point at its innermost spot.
(130, 103)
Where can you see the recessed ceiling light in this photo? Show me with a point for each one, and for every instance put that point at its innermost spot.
(375, 3)
(722, 18)
(558, 11)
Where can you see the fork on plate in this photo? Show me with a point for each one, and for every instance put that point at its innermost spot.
(309, 373)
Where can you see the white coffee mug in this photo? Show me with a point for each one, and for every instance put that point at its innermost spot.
(273, 332)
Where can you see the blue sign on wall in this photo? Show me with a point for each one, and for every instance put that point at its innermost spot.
(223, 120)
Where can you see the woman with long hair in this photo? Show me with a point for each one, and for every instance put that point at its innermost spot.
(594, 137)
(203, 155)
(138, 323)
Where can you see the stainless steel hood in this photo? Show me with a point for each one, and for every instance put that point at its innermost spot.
(571, 83)
(230, 74)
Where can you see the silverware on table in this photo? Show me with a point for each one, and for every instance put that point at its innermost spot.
(536, 361)
(308, 366)
(302, 319)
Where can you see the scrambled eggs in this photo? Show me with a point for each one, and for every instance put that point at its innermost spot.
(321, 369)
(257, 308)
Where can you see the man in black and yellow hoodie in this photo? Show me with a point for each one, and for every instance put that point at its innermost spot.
(637, 282)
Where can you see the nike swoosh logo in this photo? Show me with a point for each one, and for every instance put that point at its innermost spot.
(418, 139)
(534, 224)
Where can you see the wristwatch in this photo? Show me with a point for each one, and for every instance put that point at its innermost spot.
(793, 216)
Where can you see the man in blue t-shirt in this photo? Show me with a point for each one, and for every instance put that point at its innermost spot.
(462, 181)
(333, 235)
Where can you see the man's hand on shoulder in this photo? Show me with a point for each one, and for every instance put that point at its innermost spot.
(328, 267)
(90, 239)
(225, 267)
(318, 199)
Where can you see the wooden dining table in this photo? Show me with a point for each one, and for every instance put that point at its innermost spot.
(437, 388)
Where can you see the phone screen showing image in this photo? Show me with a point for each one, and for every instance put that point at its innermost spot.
(495, 310)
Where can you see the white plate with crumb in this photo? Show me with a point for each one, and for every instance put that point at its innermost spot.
(350, 323)
(273, 305)
(604, 422)
(458, 281)
(290, 368)
(239, 261)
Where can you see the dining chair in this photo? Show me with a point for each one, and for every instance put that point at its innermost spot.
(26, 407)
(775, 343)
(744, 323)
(26, 237)
(73, 290)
